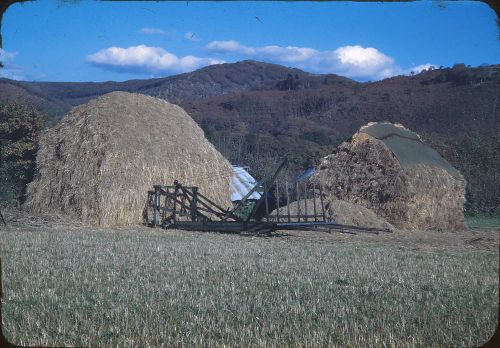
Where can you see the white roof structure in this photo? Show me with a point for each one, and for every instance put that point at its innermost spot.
(242, 183)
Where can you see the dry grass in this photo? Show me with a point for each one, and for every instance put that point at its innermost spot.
(100, 161)
(365, 171)
(66, 285)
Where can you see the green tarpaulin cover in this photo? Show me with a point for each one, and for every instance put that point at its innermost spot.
(407, 147)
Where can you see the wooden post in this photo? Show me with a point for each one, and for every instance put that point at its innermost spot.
(165, 207)
(194, 203)
(277, 203)
(267, 203)
(297, 187)
(176, 192)
(305, 200)
(156, 204)
(322, 204)
(287, 201)
(314, 203)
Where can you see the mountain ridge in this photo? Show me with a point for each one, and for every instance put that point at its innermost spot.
(203, 83)
(255, 112)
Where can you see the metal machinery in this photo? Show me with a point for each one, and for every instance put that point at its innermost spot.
(185, 208)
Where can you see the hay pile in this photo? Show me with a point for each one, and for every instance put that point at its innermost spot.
(100, 161)
(348, 213)
(341, 212)
(387, 168)
(293, 207)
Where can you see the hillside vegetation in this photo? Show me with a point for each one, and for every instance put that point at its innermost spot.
(20, 126)
(255, 113)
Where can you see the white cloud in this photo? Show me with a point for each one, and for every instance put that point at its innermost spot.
(352, 61)
(230, 46)
(357, 60)
(12, 73)
(364, 63)
(289, 54)
(419, 68)
(143, 58)
(152, 31)
(190, 36)
(10, 70)
(7, 57)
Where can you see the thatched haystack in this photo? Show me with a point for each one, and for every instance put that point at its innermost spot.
(99, 162)
(388, 169)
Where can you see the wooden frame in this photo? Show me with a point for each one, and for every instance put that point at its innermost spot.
(185, 208)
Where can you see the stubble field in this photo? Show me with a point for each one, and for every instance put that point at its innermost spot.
(66, 284)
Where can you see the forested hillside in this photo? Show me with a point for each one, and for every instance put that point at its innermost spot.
(255, 113)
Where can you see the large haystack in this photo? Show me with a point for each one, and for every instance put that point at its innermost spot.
(388, 169)
(100, 161)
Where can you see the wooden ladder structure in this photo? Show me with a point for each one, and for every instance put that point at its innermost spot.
(185, 208)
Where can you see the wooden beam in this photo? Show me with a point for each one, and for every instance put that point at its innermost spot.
(287, 201)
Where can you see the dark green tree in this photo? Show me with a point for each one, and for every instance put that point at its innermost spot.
(20, 127)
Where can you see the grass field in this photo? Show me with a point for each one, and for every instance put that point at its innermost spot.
(76, 286)
(482, 222)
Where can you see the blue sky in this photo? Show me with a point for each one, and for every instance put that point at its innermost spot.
(98, 41)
